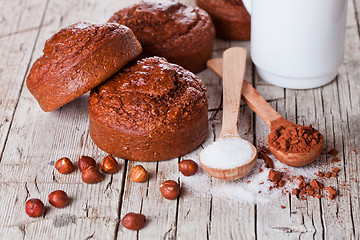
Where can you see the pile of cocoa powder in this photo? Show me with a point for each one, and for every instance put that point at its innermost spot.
(306, 187)
(294, 138)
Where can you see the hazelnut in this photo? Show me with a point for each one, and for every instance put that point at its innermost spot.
(59, 199)
(85, 162)
(188, 167)
(64, 165)
(133, 221)
(170, 189)
(109, 165)
(34, 207)
(139, 174)
(92, 175)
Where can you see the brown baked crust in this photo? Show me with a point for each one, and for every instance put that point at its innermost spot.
(151, 110)
(183, 35)
(77, 59)
(230, 18)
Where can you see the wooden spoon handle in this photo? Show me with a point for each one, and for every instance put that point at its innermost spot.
(249, 94)
(233, 76)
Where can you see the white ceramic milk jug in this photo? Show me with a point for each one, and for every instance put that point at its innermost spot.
(297, 43)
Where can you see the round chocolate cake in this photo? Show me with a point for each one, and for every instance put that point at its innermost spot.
(151, 110)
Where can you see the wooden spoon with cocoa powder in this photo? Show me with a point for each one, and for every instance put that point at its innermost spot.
(291, 143)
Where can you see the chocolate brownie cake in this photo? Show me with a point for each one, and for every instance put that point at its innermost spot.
(183, 35)
(77, 59)
(151, 110)
(230, 18)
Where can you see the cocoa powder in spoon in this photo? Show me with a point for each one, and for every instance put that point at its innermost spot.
(294, 138)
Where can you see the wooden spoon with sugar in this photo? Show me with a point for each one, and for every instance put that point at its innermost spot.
(230, 157)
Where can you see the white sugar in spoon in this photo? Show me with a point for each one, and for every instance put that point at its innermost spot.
(230, 157)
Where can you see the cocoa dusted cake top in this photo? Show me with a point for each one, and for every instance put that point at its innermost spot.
(149, 95)
(73, 44)
(164, 23)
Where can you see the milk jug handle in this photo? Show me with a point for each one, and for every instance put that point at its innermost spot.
(248, 4)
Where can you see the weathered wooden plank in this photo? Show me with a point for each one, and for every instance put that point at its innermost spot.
(194, 211)
(342, 112)
(341, 108)
(20, 22)
(19, 26)
(146, 198)
(232, 219)
(356, 4)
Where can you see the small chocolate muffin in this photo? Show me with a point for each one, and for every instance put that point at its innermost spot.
(151, 110)
(230, 18)
(183, 35)
(77, 59)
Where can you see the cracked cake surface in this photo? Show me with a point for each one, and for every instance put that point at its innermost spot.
(152, 103)
(78, 58)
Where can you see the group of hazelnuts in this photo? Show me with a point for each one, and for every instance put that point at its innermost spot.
(90, 174)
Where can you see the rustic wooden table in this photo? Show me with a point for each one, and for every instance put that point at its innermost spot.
(31, 140)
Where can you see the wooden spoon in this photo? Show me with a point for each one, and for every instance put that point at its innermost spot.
(272, 118)
(234, 71)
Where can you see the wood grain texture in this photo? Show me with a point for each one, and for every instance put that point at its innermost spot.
(31, 141)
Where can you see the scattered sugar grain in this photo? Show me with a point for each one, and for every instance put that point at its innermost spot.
(253, 188)
(227, 153)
